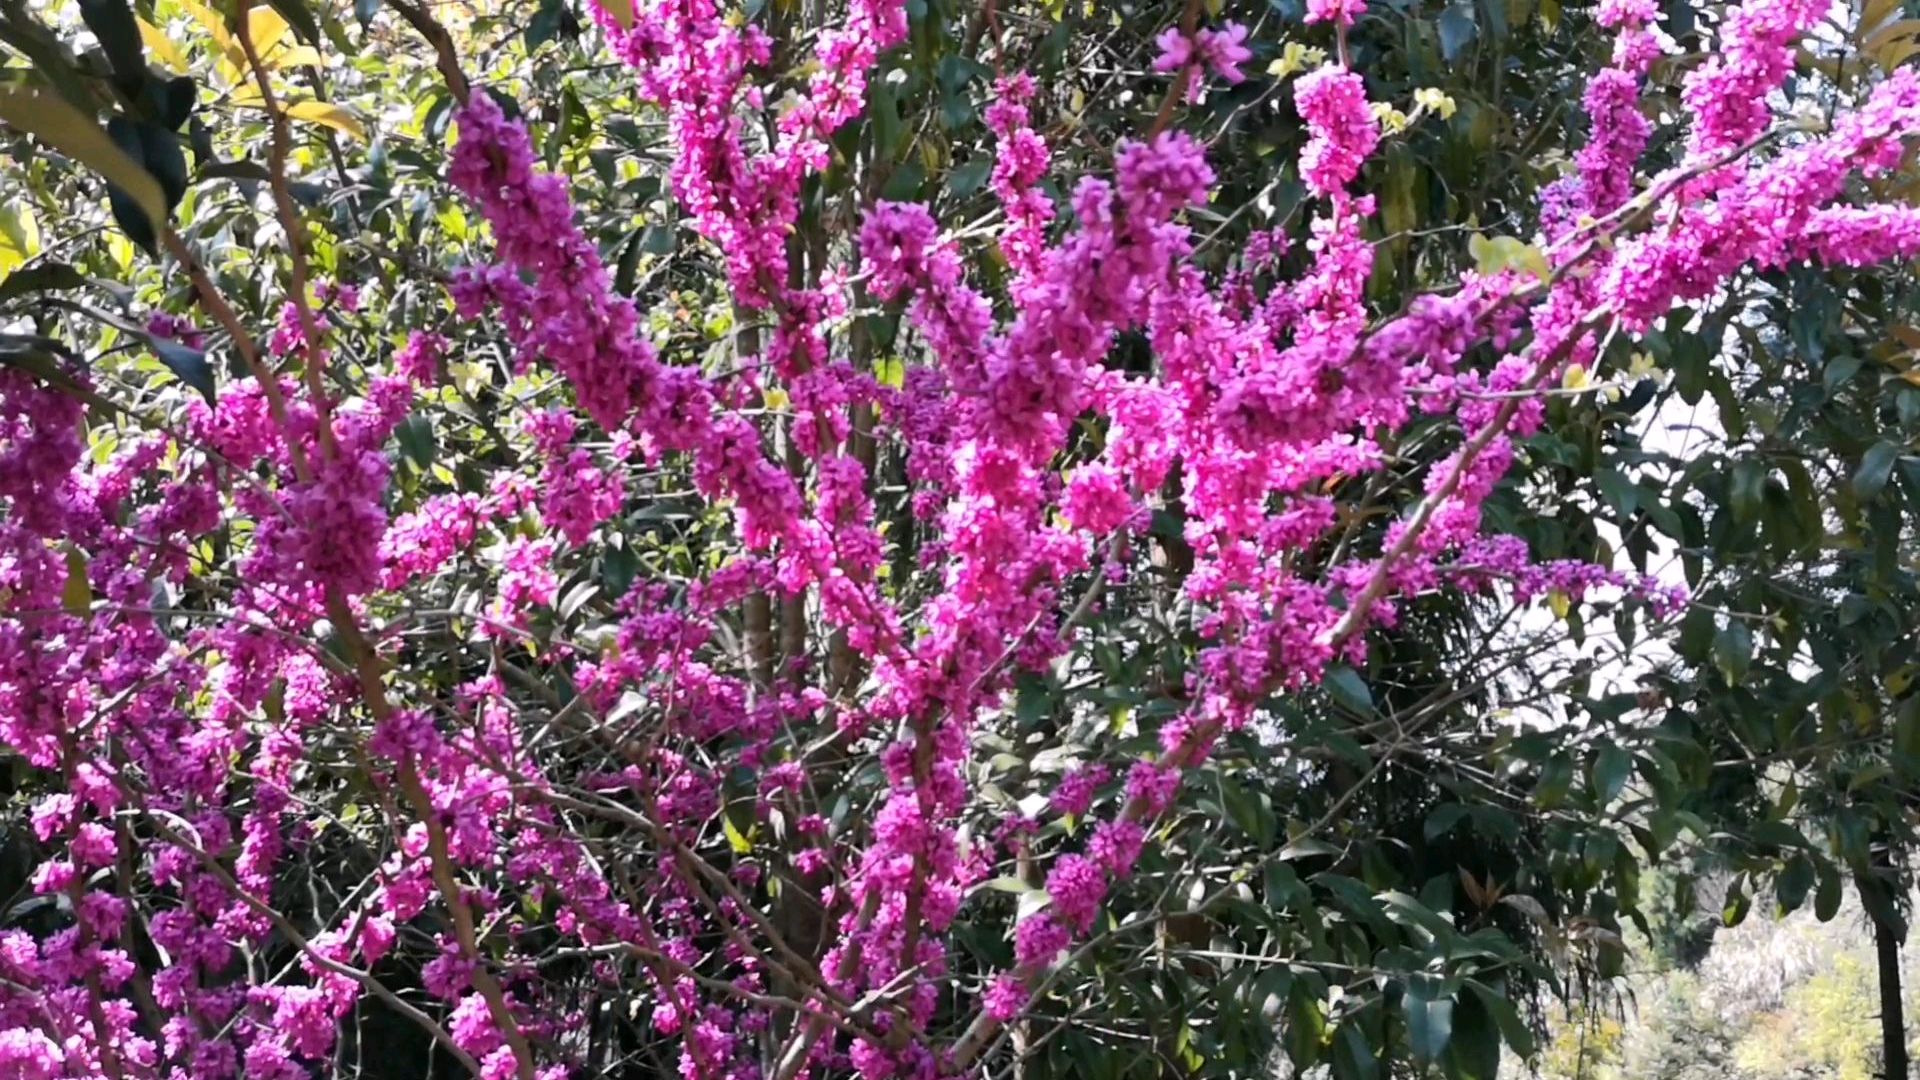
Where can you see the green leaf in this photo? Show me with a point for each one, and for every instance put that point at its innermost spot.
(1505, 1016)
(162, 156)
(904, 183)
(657, 240)
(42, 277)
(1734, 910)
(1733, 650)
(1474, 1053)
(1696, 634)
(1840, 371)
(627, 269)
(141, 227)
(618, 567)
(1442, 819)
(1283, 887)
(1353, 1058)
(1747, 489)
(1407, 911)
(1619, 492)
(48, 117)
(1458, 27)
(1876, 465)
(1251, 811)
(1429, 1019)
(1906, 728)
(1827, 894)
(1556, 777)
(1611, 767)
(883, 111)
(1779, 834)
(1790, 888)
(416, 439)
(188, 365)
(1306, 849)
(966, 179)
(1306, 1027)
(1349, 689)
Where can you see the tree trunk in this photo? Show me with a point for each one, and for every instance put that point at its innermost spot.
(1893, 1021)
(1878, 890)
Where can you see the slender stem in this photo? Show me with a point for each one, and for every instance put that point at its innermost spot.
(279, 148)
(1189, 24)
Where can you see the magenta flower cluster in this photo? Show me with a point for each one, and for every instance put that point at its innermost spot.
(184, 750)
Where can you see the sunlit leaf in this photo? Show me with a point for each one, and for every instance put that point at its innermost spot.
(77, 595)
(49, 118)
(19, 236)
(163, 48)
(333, 115)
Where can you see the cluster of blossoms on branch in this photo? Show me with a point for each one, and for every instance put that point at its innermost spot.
(184, 751)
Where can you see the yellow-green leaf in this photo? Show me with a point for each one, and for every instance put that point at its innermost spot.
(19, 236)
(453, 220)
(1491, 256)
(621, 10)
(267, 29)
(1435, 101)
(216, 27)
(336, 116)
(77, 596)
(163, 48)
(741, 843)
(1294, 57)
(47, 116)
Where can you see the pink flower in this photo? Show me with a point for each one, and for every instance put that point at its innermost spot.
(1097, 499)
(1176, 50)
(1223, 51)
(1038, 940)
(1220, 52)
(1338, 12)
(26, 1054)
(1074, 795)
(1077, 885)
(1341, 129)
(1005, 998)
(419, 359)
(1116, 846)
